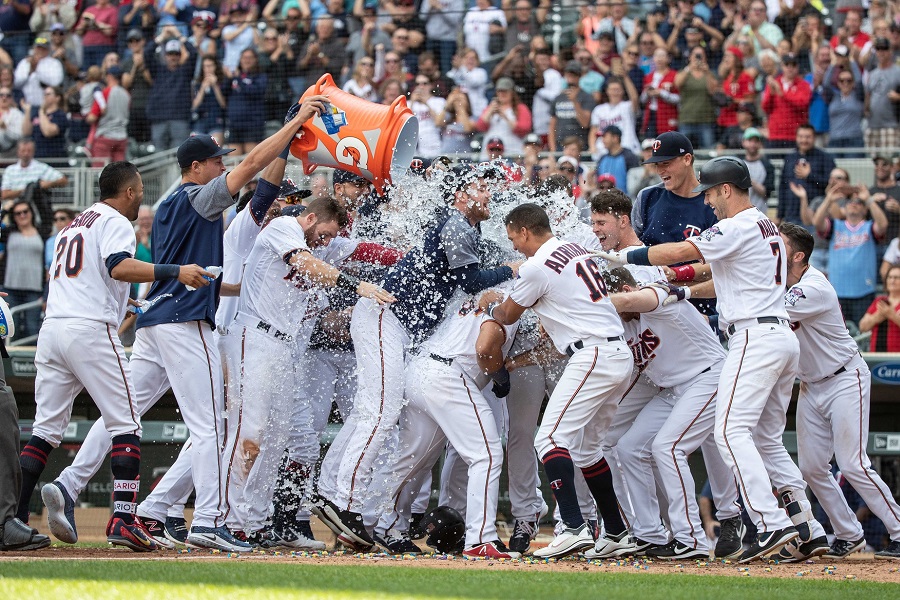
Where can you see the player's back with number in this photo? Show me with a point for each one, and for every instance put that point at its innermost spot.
(80, 283)
(571, 297)
(746, 256)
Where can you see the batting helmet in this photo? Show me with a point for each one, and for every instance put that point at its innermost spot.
(445, 529)
(723, 169)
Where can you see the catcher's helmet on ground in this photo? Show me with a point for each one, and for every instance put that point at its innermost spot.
(445, 529)
(723, 169)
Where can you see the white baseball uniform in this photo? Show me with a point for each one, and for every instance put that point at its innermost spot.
(833, 409)
(275, 315)
(84, 308)
(562, 284)
(747, 258)
(443, 387)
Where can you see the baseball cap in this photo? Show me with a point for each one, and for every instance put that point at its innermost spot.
(604, 35)
(752, 132)
(882, 44)
(567, 159)
(41, 42)
(745, 107)
(505, 83)
(418, 165)
(495, 144)
(134, 34)
(691, 30)
(114, 70)
(173, 47)
(659, 9)
(344, 176)
(533, 138)
(57, 27)
(199, 148)
(670, 145)
(613, 129)
(293, 210)
(574, 66)
(737, 52)
(606, 177)
(789, 59)
(289, 188)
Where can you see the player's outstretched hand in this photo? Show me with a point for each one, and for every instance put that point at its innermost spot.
(195, 276)
(514, 266)
(614, 258)
(370, 290)
(306, 110)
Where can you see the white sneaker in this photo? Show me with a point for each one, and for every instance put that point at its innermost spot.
(567, 542)
(608, 546)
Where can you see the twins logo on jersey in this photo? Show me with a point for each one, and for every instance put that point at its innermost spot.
(794, 296)
(644, 348)
(691, 231)
(296, 277)
(468, 306)
(710, 233)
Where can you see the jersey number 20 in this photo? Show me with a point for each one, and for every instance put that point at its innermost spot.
(591, 277)
(74, 260)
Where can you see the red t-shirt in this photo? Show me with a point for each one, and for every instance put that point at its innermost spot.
(736, 90)
(885, 335)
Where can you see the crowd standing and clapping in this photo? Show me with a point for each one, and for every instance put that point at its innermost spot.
(588, 293)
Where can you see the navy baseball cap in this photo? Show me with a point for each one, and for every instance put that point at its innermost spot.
(343, 176)
(669, 145)
(199, 148)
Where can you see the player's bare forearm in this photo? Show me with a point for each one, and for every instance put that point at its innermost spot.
(704, 289)
(640, 301)
(489, 347)
(673, 253)
(230, 289)
(507, 312)
(321, 273)
(131, 270)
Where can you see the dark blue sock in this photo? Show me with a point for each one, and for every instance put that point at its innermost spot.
(33, 459)
(561, 472)
(600, 482)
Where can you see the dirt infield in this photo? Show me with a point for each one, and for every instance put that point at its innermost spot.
(861, 567)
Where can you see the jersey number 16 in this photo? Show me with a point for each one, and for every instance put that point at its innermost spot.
(589, 273)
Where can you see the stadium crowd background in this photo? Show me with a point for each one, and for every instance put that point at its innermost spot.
(561, 87)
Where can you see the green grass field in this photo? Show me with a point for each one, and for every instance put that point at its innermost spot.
(128, 580)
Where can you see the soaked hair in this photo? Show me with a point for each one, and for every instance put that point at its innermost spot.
(616, 279)
(116, 177)
(328, 210)
(612, 201)
(529, 216)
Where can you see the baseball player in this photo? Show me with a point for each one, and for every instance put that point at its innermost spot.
(162, 512)
(562, 284)
(89, 283)
(747, 259)
(274, 309)
(833, 408)
(443, 386)
(174, 346)
(423, 282)
(686, 361)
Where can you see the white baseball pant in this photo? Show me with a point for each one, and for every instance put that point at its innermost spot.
(751, 411)
(446, 405)
(62, 373)
(689, 424)
(833, 419)
(380, 341)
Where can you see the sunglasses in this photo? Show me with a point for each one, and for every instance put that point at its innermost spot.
(270, 39)
(293, 199)
(20, 213)
(633, 53)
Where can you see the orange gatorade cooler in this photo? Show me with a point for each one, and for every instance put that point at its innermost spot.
(376, 141)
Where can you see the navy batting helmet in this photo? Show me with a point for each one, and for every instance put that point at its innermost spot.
(723, 169)
(445, 529)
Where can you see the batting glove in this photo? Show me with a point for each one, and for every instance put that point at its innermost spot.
(501, 383)
(677, 293)
(614, 258)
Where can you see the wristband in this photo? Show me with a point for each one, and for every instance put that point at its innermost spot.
(641, 256)
(166, 271)
(285, 152)
(347, 282)
(490, 309)
(684, 273)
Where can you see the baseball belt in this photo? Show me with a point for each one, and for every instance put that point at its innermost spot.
(579, 345)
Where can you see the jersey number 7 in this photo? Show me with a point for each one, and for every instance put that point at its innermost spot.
(74, 260)
(776, 252)
(589, 273)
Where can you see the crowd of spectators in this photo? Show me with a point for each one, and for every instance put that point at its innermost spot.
(546, 81)
(708, 68)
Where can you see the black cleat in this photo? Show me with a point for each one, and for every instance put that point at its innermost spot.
(843, 548)
(892, 552)
(523, 533)
(730, 542)
(767, 543)
(675, 550)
